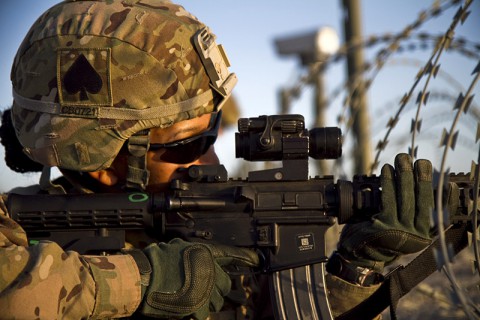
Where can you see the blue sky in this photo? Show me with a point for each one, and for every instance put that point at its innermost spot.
(247, 29)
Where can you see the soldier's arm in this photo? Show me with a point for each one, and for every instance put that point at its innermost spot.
(43, 281)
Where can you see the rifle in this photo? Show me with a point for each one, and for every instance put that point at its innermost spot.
(281, 213)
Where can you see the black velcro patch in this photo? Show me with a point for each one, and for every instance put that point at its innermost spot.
(84, 77)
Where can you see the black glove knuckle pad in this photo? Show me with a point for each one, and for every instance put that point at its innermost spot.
(187, 278)
(197, 287)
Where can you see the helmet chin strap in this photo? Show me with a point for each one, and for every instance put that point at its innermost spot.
(46, 183)
(138, 174)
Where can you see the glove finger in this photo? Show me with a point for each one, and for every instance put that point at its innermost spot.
(216, 301)
(201, 314)
(405, 190)
(229, 255)
(424, 196)
(223, 285)
(388, 214)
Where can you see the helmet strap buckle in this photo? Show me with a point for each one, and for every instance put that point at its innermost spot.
(138, 174)
(46, 183)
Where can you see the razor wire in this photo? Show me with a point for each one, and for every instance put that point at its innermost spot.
(436, 118)
(449, 142)
(428, 72)
(423, 40)
(463, 46)
(393, 44)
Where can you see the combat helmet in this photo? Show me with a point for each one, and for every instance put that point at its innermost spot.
(91, 75)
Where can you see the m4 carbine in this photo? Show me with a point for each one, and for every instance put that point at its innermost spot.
(281, 213)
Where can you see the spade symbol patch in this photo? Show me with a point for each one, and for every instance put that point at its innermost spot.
(82, 77)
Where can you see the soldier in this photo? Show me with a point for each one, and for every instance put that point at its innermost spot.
(119, 95)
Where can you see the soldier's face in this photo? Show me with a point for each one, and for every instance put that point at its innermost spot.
(185, 143)
(164, 162)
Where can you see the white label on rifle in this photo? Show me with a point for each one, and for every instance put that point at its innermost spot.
(305, 242)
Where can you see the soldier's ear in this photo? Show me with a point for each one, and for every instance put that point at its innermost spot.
(106, 177)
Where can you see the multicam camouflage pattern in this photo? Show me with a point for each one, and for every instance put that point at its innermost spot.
(85, 57)
(344, 296)
(44, 282)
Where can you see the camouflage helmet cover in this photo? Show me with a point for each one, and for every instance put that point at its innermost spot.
(89, 74)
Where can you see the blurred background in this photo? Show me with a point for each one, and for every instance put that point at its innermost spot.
(382, 71)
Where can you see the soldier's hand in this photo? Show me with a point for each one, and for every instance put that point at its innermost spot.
(187, 279)
(402, 226)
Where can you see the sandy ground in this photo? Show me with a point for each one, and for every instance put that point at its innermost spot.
(434, 298)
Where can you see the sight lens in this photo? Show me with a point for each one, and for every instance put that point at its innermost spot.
(325, 143)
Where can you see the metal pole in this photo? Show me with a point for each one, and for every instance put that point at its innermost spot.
(284, 97)
(361, 125)
(319, 105)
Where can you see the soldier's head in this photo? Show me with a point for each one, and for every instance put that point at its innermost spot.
(127, 91)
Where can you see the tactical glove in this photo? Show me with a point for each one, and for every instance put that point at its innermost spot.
(187, 279)
(403, 224)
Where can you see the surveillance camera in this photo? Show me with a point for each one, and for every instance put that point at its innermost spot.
(313, 46)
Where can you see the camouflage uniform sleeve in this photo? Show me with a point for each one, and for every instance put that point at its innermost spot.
(343, 295)
(43, 281)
